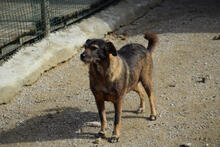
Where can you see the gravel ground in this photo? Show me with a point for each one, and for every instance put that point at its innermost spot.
(59, 109)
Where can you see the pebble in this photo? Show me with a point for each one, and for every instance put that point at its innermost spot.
(93, 124)
(186, 145)
(78, 131)
(216, 37)
(98, 140)
(159, 115)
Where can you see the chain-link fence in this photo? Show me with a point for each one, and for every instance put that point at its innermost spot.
(22, 21)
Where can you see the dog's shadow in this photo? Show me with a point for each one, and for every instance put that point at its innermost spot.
(134, 114)
(55, 124)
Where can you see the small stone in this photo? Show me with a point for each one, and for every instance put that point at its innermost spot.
(122, 37)
(98, 140)
(78, 132)
(216, 37)
(186, 145)
(125, 33)
(200, 79)
(159, 115)
(93, 124)
(172, 85)
(166, 98)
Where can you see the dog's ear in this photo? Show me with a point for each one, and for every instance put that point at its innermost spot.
(86, 44)
(110, 48)
(88, 41)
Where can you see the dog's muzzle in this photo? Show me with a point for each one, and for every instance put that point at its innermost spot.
(85, 58)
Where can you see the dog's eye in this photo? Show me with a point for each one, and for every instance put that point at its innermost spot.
(93, 48)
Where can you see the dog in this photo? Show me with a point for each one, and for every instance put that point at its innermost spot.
(114, 73)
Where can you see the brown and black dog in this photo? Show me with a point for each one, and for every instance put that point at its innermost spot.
(114, 73)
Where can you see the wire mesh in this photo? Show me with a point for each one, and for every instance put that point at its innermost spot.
(62, 10)
(23, 20)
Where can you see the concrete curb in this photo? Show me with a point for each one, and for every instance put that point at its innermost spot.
(30, 62)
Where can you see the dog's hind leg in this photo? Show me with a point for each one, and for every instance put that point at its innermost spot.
(142, 94)
(146, 80)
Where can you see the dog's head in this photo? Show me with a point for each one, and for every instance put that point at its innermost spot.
(97, 50)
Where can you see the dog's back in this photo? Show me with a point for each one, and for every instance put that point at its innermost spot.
(137, 57)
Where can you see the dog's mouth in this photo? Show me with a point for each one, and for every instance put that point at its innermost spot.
(86, 61)
(89, 60)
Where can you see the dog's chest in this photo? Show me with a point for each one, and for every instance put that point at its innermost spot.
(108, 91)
(104, 87)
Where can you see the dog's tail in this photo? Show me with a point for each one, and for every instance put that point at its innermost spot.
(152, 40)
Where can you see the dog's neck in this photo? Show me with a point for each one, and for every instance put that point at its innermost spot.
(115, 68)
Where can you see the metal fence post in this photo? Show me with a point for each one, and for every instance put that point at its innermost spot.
(45, 16)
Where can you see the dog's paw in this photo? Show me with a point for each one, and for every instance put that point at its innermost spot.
(114, 139)
(153, 117)
(101, 134)
(140, 110)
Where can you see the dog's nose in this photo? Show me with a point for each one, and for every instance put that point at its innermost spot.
(82, 56)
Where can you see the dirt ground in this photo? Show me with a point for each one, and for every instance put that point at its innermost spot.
(57, 110)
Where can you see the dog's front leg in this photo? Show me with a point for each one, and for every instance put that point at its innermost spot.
(102, 115)
(117, 122)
